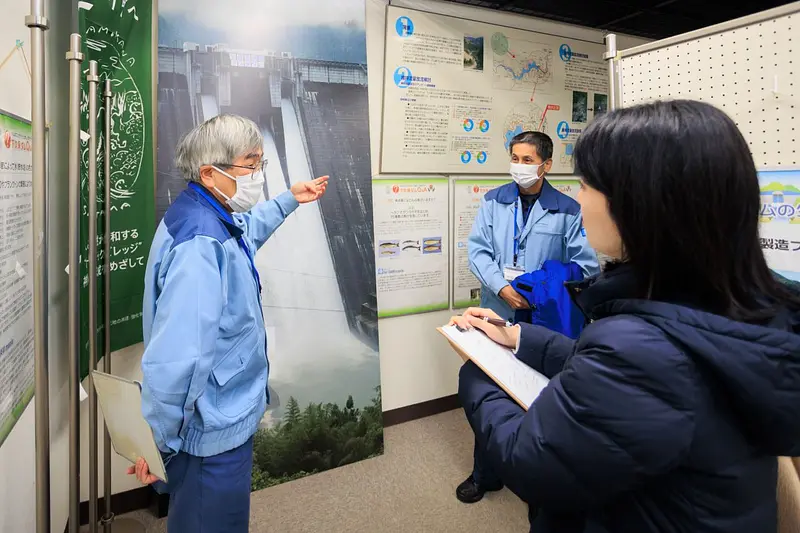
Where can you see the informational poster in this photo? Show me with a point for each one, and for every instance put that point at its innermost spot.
(570, 187)
(467, 196)
(298, 70)
(119, 36)
(411, 248)
(457, 91)
(780, 221)
(16, 271)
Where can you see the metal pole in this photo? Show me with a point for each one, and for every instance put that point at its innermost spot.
(108, 517)
(610, 57)
(75, 58)
(94, 81)
(38, 24)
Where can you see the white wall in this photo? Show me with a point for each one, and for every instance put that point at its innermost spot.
(15, 88)
(417, 364)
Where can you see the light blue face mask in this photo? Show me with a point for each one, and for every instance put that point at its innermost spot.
(249, 190)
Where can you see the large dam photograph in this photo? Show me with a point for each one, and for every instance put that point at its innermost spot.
(299, 71)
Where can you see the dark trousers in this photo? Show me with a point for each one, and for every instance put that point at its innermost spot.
(481, 470)
(484, 475)
(210, 494)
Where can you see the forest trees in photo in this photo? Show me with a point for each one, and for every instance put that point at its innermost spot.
(315, 439)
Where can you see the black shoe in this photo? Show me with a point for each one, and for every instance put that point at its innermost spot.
(470, 491)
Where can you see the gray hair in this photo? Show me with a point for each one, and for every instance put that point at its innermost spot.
(217, 141)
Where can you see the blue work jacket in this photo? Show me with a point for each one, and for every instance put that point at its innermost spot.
(205, 360)
(554, 230)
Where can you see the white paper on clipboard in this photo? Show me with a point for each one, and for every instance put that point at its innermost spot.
(522, 382)
(121, 403)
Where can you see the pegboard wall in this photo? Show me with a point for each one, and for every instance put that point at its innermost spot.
(752, 72)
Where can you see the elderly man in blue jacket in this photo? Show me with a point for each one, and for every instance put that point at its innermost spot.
(205, 362)
(519, 226)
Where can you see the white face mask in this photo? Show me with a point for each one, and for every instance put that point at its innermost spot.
(249, 190)
(525, 175)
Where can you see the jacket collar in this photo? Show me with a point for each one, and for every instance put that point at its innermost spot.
(208, 201)
(548, 198)
(616, 282)
(602, 295)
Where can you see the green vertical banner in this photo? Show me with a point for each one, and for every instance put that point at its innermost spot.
(118, 35)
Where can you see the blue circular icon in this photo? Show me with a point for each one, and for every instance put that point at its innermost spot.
(562, 130)
(404, 27)
(565, 52)
(402, 77)
(484, 125)
(468, 124)
(481, 157)
(466, 156)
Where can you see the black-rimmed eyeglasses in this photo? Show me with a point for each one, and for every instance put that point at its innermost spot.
(262, 166)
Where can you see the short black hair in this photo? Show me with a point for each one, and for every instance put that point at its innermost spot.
(683, 191)
(541, 141)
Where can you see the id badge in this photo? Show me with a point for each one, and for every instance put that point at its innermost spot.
(510, 273)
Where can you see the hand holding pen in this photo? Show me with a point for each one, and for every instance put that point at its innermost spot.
(501, 331)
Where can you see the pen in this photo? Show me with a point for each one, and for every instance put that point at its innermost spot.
(492, 321)
(498, 322)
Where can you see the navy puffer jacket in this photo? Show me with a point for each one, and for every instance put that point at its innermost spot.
(659, 418)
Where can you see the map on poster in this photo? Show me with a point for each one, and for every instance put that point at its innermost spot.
(467, 196)
(457, 91)
(780, 221)
(16, 271)
(411, 230)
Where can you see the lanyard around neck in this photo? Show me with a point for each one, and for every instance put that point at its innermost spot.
(517, 229)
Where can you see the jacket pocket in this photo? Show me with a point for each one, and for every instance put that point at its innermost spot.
(548, 226)
(233, 376)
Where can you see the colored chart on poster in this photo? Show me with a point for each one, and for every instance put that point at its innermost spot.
(780, 221)
(411, 245)
(16, 271)
(457, 91)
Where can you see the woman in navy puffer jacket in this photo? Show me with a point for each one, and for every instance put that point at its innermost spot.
(666, 415)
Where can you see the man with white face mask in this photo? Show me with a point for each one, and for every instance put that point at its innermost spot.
(205, 363)
(519, 226)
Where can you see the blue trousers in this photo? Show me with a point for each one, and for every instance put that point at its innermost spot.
(210, 494)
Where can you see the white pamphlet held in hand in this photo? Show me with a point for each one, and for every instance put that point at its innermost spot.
(120, 400)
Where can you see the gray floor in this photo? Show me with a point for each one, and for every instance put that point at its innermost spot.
(409, 489)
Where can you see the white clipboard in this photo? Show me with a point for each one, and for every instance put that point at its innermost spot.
(517, 379)
(120, 400)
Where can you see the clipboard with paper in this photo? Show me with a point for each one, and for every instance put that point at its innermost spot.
(120, 401)
(517, 379)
